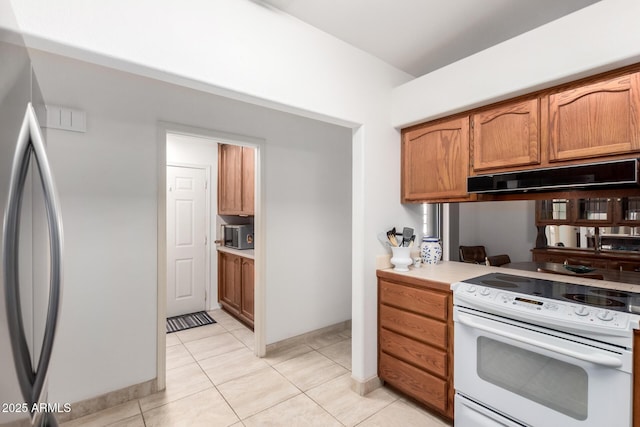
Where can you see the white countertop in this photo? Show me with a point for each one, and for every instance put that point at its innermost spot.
(246, 253)
(453, 271)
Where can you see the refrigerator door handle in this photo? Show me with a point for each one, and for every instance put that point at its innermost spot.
(32, 382)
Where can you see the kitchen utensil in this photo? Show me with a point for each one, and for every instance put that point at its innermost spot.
(411, 241)
(391, 235)
(406, 235)
(382, 238)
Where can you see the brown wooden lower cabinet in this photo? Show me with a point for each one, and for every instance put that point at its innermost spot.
(236, 286)
(415, 339)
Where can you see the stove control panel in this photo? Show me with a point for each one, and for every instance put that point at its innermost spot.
(502, 302)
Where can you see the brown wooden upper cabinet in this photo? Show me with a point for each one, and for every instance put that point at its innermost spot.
(593, 120)
(506, 136)
(236, 177)
(435, 161)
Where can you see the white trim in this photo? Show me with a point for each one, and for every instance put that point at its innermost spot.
(161, 303)
(446, 232)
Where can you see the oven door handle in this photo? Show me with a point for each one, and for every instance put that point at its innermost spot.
(597, 359)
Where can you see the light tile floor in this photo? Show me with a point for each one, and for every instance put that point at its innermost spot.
(213, 379)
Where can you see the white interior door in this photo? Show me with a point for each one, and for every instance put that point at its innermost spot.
(186, 240)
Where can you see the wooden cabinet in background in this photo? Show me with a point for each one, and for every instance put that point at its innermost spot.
(248, 180)
(588, 212)
(236, 286)
(553, 211)
(415, 340)
(435, 161)
(228, 279)
(593, 211)
(628, 211)
(246, 288)
(236, 177)
(595, 120)
(623, 261)
(506, 136)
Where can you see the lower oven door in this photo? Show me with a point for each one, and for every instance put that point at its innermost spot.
(539, 377)
(469, 413)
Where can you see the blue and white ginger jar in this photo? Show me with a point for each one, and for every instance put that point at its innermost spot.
(431, 250)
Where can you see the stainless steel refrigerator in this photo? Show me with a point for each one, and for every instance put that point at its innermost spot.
(31, 249)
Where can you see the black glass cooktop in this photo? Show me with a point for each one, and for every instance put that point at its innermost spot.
(588, 295)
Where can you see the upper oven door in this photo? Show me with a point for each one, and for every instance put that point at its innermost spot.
(538, 378)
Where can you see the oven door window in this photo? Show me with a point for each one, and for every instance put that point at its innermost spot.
(555, 384)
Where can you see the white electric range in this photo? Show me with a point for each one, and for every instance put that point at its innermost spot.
(535, 352)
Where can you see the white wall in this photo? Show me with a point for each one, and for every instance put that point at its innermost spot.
(107, 181)
(244, 50)
(599, 37)
(501, 227)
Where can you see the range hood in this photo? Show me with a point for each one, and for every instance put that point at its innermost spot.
(613, 174)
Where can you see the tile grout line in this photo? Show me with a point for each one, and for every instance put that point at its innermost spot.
(144, 421)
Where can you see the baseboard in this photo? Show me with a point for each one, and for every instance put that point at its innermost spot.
(99, 403)
(365, 387)
(303, 338)
(107, 400)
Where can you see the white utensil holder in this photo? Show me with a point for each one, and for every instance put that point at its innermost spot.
(401, 258)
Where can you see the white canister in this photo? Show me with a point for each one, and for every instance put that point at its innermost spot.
(431, 250)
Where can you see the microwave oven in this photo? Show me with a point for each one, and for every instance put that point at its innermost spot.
(238, 236)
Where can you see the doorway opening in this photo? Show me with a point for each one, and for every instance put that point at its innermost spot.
(185, 154)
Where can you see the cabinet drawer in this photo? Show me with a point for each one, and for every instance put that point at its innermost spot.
(416, 353)
(429, 303)
(415, 326)
(416, 383)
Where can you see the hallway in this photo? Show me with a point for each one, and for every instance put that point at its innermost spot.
(213, 379)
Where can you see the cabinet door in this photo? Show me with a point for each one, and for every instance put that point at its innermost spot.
(246, 303)
(627, 211)
(506, 136)
(248, 180)
(435, 162)
(553, 211)
(593, 211)
(595, 120)
(229, 274)
(229, 179)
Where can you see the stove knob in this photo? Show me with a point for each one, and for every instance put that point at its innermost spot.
(605, 315)
(581, 310)
(484, 292)
(471, 289)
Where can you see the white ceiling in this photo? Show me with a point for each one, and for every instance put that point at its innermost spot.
(419, 36)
